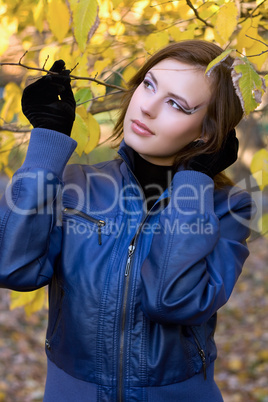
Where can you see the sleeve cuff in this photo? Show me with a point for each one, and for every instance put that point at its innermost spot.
(193, 190)
(50, 150)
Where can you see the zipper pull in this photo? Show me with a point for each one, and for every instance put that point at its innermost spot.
(203, 358)
(131, 249)
(100, 225)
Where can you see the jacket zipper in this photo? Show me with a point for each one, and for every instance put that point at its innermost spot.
(131, 250)
(48, 341)
(201, 354)
(99, 222)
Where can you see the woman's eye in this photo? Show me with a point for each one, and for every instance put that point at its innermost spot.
(174, 104)
(148, 84)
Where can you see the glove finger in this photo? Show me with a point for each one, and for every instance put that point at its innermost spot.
(39, 92)
(61, 80)
(68, 96)
(58, 66)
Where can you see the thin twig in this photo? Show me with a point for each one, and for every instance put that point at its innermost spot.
(97, 97)
(197, 15)
(45, 61)
(257, 40)
(75, 77)
(14, 129)
(252, 12)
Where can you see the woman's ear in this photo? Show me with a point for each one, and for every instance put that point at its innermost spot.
(204, 137)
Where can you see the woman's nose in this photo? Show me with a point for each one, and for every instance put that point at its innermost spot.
(149, 107)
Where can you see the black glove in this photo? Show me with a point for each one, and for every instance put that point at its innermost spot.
(41, 103)
(212, 164)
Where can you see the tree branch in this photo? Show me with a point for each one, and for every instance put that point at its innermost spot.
(197, 15)
(258, 40)
(75, 77)
(252, 12)
(15, 129)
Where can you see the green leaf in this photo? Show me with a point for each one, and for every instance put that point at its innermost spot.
(259, 167)
(249, 86)
(85, 20)
(214, 63)
(83, 96)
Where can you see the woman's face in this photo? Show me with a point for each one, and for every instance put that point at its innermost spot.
(155, 126)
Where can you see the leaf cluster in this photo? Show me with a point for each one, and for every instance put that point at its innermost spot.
(111, 39)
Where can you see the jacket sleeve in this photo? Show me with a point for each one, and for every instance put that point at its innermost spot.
(197, 256)
(29, 238)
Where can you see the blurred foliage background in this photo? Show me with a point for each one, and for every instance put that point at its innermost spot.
(110, 40)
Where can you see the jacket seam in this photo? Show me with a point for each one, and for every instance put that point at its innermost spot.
(9, 211)
(163, 276)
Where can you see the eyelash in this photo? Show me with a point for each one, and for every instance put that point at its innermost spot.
(147, 83)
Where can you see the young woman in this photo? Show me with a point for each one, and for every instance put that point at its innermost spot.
(149, 246)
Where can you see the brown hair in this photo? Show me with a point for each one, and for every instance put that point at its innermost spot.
(224, 110)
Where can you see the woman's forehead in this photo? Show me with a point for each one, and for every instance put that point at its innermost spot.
(181, 78)
(176, 65)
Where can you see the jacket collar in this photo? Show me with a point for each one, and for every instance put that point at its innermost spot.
(127, 154)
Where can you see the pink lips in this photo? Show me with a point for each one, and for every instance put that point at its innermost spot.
(141, 129)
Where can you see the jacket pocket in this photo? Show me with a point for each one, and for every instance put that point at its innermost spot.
(201, 350)
(94, 224)
(53, 327)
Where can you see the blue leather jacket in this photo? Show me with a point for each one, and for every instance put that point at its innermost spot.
(133, 295)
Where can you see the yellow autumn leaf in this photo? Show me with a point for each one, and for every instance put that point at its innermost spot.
(31, 301)
(117, 29)
(175, 33)
(12, 104)
(4, 43)
(8, 26)
(7, 142)
(38, 302)
(98, 89)
(86, 131)
(214, 63)
(48, 52)
(80, 129)
(94, 133)
(85, 20)
(99, 66)
(156, 41)
(129, 73)
(58, 18)
(235, 363)
(246, 33)
(116, 3)
(257, 49)
(259, 167)
(263, 225)
(226, 21)
(9, 172)
(39, 14)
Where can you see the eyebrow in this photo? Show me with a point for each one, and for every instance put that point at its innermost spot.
(177, 97)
